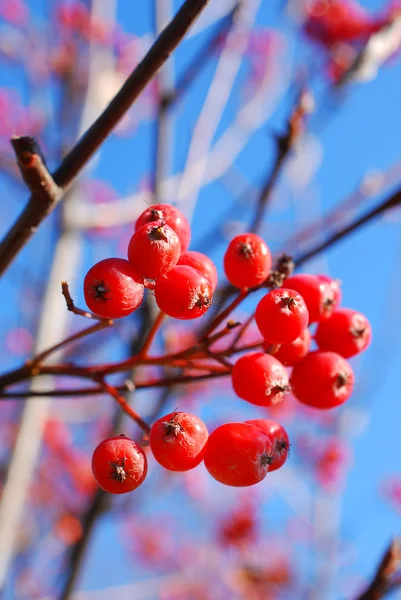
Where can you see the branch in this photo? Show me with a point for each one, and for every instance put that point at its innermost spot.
(45, 190)
(391, 202)
(389, 565)
(284, 145)
(44, 198)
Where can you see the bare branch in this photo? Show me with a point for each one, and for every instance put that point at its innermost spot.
(389, 565)
(45, 196)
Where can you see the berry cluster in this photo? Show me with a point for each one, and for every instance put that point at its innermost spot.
(183, 281)
(235, 454)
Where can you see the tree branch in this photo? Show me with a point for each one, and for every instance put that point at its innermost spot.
(45, 196)
(390, 563)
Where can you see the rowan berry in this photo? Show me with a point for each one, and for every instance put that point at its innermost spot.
(119, 465)
(281, 316)
(178, 441)
(290, 354)
(335, 285)
(113, 288)
(347, 332)
(247, 261)
(318, 295)
(238, 454)
(260, 379)
(184, 293)
(201, 263)
(172, 216)
(154, 249)
(322, 380)
(279, 439)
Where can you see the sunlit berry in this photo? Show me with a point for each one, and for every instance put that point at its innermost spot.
(247, 261)
(172, 216)
(281, 316)
(238, 454)
(178, 440)
(119, 465)
(322, 380)
(113, 288)
(347, 332)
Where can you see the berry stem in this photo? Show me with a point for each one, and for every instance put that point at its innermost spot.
(110, 389)
(242, 330)
(143, 353)
(39, 358)
(223, 315)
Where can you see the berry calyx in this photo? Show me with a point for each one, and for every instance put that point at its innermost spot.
(154, 249)
(201, 263)
(184, 293)
(119, 465)
(335, 285)
(347, 332)
(290, 354)
(322, 380)
(172, 216)
(247, 261)
(178, 441)
(238, 454)
(260, 379)
(279, 439)
(113, 288)
(318, 295)
(281, 316)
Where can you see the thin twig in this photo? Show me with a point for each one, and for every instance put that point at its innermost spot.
(389, 565)
(284, 145)
(113, 391)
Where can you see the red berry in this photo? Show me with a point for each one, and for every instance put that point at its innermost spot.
(238, 454)
(347, 332)
(170, 215)
(322, 380)
(260, 379)
(278, 437)
(247, 261)
(113, 288)
(178, 441)
(154, 249)
(281, 316)
(201, 263)
(184, 293)
(335, 285)
(317, 294)
(290, 354)
(119, 465)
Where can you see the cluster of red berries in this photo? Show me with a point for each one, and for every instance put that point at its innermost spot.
(183, 281)
(236, 454)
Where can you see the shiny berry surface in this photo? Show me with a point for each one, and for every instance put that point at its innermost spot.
(119, 465)
(322, 380)
(172, 216)
(113, 288)
(260, 379)
(247, 261)
(201, 263)
(281, 316)
(184, 293)
(347, 332)
(154, 249)
(238, 454)
(178, 441)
